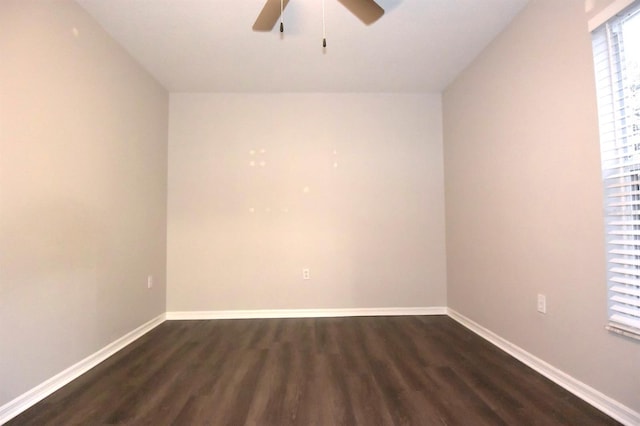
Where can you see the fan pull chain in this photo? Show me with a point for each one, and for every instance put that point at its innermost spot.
(324, 29)
(281, 18)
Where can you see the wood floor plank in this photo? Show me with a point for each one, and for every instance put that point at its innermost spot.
(420, 370)
(273, 401)
(368, 402)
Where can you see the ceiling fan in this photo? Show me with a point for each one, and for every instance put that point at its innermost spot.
(368, 11)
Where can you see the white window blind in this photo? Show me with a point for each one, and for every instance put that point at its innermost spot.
(616, 47)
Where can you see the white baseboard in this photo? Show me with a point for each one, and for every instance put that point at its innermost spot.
(303, 313)
(38, 393)
(611, 407)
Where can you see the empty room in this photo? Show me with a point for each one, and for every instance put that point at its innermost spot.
(320, 212)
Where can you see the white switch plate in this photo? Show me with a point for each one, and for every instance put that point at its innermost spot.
(306, 274)
(149, 281)
(542, 303)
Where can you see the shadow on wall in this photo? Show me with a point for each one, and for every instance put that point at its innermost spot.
(49, 238)
(49, 290)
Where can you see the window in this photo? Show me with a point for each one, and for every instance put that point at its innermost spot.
(616, 47)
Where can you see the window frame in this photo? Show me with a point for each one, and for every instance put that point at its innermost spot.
(618, 90)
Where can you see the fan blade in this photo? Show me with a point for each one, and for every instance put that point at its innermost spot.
(368, 11)
(269, 15)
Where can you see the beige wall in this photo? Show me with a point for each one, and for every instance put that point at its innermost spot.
(371, 230)
(83, 134)
(524, 201)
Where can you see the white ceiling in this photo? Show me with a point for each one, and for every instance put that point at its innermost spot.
(209, 46)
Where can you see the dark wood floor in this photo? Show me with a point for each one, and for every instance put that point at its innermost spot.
(332, 371)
